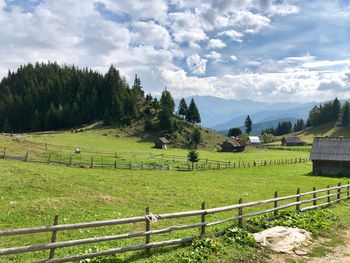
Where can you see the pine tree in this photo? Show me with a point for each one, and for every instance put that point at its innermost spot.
(248, 125)
(183, 109)
(335, 109)
(167, 102)
(193, 115)
(193, 157)
(234, 132)
(345, 117)
(196, 137)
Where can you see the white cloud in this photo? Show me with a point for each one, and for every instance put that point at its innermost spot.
(213, 55)
(232, 34)
(149, 33)
(216, 43)
(196, 64)
(233, 58)
(302, 85)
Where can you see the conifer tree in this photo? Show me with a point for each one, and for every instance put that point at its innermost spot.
(345, 117)
(248, 125)
(183, 109)
(193, 115)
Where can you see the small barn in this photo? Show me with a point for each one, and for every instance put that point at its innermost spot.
(292, 141)
(161, 143)
(233, 144)
(254, 140)
(331, 156)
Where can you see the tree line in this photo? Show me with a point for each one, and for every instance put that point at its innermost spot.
(285, 127)
(332, 111)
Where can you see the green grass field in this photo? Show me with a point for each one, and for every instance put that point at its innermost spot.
(31, 194)
(116, 140)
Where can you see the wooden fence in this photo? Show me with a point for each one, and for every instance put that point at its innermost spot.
(199, 219)
(202, 165)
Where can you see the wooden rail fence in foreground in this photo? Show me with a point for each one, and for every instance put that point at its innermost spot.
(300, 202)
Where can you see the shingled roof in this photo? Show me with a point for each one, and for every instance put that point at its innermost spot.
(331, 149)
(236, 142)
(292, 139)
(163, 140)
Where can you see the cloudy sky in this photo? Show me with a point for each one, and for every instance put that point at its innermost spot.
(264, 50)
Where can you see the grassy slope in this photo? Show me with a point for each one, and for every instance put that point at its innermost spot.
(328, 129)
(32, 194)
(117, 140)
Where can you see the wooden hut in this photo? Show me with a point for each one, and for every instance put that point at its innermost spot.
(331, 156)
(161, 143)
(292, 141)
(254, 140)
(233, 145)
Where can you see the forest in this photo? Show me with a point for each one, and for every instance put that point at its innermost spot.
(47, 96)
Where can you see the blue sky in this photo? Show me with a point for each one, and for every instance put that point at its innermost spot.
(265, 50)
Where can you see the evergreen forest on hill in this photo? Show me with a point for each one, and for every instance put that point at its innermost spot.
(47, 96)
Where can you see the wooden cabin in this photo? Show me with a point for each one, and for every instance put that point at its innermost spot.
(292, 141)
(161, 143)
(331, 156)
(233, 144)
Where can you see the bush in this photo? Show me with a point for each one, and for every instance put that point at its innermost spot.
(316, 221)
(239, 236)
(201, 249)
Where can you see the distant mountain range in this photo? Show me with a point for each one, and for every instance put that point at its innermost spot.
(222, 114)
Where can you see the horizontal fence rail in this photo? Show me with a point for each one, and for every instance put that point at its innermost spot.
(313, 199)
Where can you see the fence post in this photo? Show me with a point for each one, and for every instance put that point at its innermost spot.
(53, 238)
(115, 164)
(338, 192)
(314, 196)
(275, 204)
(328, 197)
(148, 228)
(92, 162)
(297, 207)
(240, 213)
(4, 152)
(348, 190)
(27, 156)
(70, 160)
(203, 220)
(49, 159)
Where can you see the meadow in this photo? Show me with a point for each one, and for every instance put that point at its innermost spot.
(32, 194)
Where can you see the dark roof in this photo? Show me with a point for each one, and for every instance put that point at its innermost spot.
(331, 149)
(235, 142)
(292, 139)
(163, 140)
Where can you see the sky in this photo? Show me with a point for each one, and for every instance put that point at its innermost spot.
(262, 50)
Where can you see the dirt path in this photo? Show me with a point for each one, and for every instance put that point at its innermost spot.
(339, 254)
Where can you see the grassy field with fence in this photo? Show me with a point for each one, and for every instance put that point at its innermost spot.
(32, 194)
(112, 147)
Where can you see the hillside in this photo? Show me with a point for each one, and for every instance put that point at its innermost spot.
(258, 127)
(328, 129)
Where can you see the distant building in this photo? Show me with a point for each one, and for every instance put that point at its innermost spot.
(255, 140)
(292, 141)
(331, 156)
(161, 143)
(233, 145)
